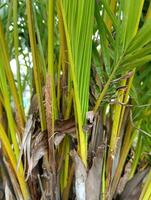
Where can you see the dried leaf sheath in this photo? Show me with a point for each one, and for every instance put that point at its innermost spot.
(50, 126)
(50, 131)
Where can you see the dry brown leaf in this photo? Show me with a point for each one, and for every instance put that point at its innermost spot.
(65, 126)
(38, 150)
(90, 116)
(33, 105)
(48, 104)
(97, 134)
(133, 187)
(80, 176)
(58, 139)
(124, 178)
(8, 193)
(29, 128)
(93, 182)
(50, 125)
(14, 181)
(2, 194)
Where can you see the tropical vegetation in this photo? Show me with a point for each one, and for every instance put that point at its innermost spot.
(75, 99)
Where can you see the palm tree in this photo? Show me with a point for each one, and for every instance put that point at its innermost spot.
(86, 131)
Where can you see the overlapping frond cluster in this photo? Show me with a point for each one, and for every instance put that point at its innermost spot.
(85, 65)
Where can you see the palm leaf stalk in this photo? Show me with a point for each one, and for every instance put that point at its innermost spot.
(17, 51)
(4, 54)
(36, 64)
